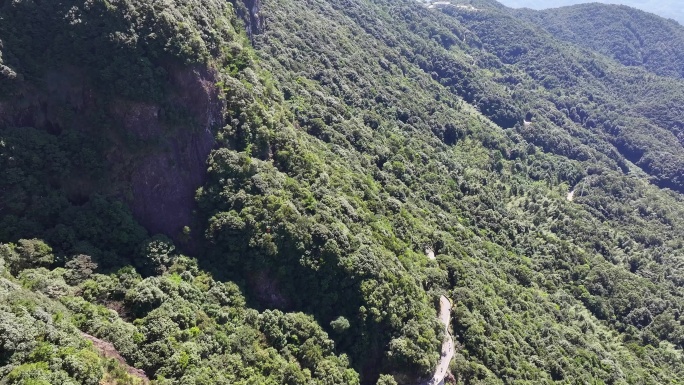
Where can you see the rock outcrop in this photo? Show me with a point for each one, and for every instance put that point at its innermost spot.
(156, 151)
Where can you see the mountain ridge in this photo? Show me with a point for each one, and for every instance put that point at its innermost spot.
(668, 10)
(629, 36)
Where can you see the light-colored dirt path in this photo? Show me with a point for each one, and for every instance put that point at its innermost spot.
(108, 350)
(447, 345)
(430, 253)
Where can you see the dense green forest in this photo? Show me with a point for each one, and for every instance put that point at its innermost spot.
(244, 193)
(632, 37)
(670, 9)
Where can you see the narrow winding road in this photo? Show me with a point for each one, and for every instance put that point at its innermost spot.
(447, 345)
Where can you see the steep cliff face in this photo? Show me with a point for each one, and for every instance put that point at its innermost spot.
(250, 12)
(134, 79)
(155, 151)
(163, 180)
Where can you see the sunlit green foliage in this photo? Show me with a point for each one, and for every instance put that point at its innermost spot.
(355, 136)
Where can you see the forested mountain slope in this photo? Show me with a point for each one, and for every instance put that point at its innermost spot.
(670, 9)
(635, 112)
(306, 153)
(630, 36)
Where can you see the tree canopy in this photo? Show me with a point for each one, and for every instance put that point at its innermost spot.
(541, 167)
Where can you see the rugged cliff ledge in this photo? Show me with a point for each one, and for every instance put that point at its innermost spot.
(156, 151)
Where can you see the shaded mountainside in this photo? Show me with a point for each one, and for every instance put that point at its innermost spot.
(122, 107)
(307, 153)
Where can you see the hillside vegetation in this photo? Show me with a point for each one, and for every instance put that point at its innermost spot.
(669, 9)
(632, 37)
(298, 157)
